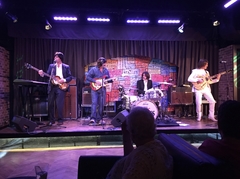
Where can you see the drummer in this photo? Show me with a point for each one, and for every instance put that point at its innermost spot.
(144, 84)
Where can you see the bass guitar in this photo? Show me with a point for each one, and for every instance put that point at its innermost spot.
(103, 82)
(54, 79)
(206, 80)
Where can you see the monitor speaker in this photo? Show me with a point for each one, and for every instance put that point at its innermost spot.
(120, 118)
(23, 124)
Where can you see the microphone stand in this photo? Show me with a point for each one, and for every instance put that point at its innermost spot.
(102, 101)
(225, 67)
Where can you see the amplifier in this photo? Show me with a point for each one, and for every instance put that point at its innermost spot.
(181, 89)
(179, 98)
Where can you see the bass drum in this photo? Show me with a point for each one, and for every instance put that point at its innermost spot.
(147, 104)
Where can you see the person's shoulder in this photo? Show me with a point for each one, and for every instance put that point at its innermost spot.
(65, 65)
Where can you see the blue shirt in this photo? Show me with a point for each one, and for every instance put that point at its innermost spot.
(96, 73)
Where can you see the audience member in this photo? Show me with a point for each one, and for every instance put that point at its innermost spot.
(149, 159)
(228, 147)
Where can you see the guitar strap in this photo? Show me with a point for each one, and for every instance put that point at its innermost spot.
(51, 76)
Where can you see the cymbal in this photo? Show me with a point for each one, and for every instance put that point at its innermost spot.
(131, 88)
(165, 83)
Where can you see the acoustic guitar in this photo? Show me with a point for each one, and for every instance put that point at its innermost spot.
(206, 79)
(54, 79)
(103, 82)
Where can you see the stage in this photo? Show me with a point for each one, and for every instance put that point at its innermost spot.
(80, 127)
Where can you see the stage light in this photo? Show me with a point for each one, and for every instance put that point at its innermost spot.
(229, 3)
(181, 28)
(216, 23)
(97, 19)
(168, 21)
(138, 21)
(62, 18)
(48, 26)
(12, 17)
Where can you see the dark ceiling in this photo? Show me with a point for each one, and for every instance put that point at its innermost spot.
(195, 13)
(191, 10)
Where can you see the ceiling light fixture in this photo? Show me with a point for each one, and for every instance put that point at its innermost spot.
(229, 3)
(216, 23)
(97, 19)
(181, 28)
(48, 26)
(64, 18)
(138, 21)
(12, 17)
(167, 21)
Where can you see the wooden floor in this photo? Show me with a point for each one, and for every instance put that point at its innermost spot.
(59, 163)
(56, 149)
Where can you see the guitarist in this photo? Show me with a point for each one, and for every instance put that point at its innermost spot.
(55, 94)
(98, 95)
(201, 87)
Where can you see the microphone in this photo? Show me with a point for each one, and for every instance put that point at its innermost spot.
(223, 61)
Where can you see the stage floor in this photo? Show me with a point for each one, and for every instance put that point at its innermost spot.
(80, 127)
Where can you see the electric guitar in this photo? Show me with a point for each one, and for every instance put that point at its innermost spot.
(206, 79)
(54, 79)
(103, 82)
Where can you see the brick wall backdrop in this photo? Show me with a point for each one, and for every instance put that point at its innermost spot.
(227, 80)
(4, 87)
(128, 70)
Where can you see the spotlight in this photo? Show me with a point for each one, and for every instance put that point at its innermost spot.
(216, 23)
(48, 26)
(12, 17)
(181, 28)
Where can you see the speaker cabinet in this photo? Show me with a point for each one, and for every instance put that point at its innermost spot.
(23, 124)
(179, 98)
(86, 96)
(119, 118)
(70, 103)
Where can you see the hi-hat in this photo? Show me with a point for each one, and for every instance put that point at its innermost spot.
(165, 83)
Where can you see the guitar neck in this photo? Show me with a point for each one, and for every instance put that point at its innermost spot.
(222, 73)
(36, 69)
(109, 79)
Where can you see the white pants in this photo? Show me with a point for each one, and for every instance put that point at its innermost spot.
(206, 92)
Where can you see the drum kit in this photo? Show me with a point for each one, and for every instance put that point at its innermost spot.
(154, 99)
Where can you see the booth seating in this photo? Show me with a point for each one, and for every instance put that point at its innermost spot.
(95, 167)
(188, 162)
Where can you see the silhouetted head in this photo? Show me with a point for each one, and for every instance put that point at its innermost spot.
(141, 124)
(229, 119)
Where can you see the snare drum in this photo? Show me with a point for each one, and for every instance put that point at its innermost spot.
(149, 105)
